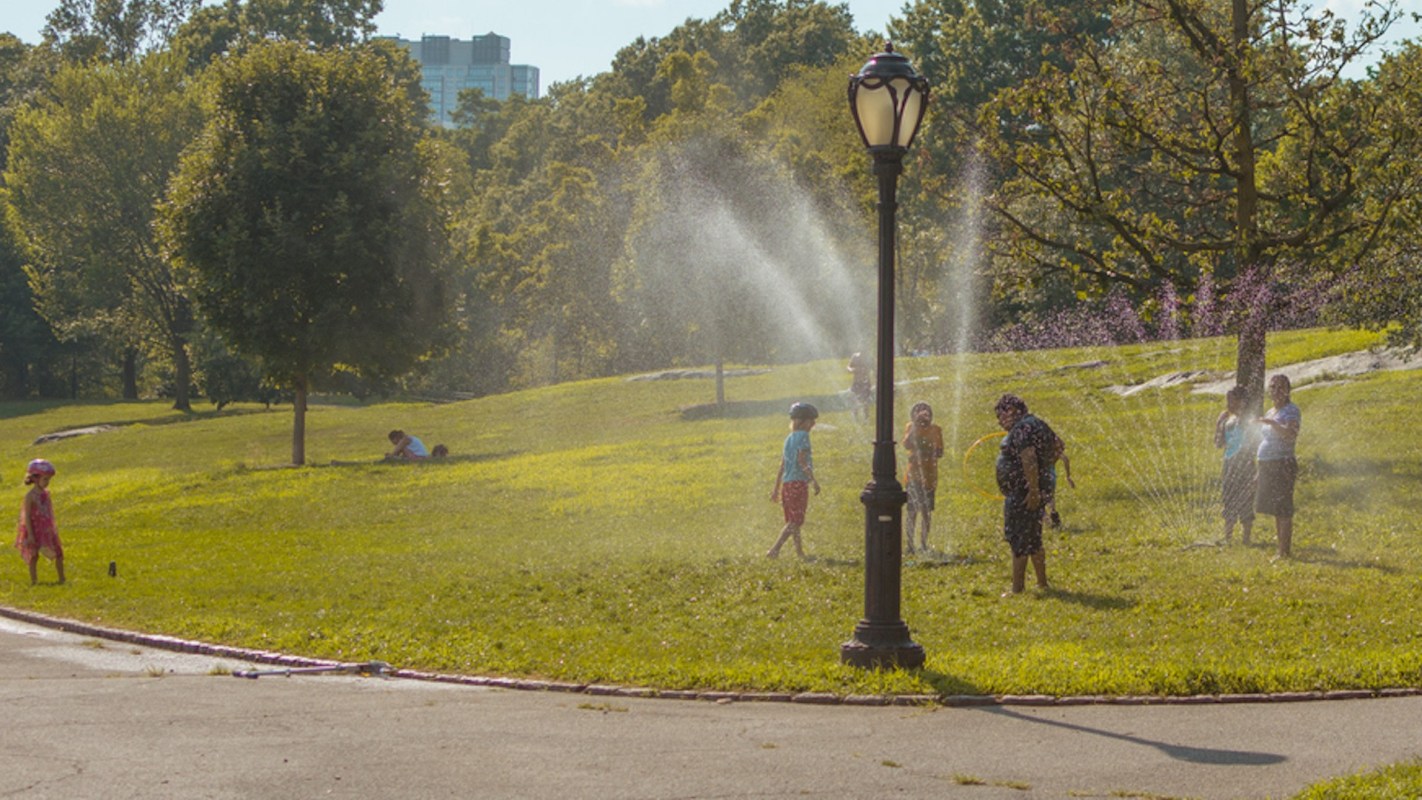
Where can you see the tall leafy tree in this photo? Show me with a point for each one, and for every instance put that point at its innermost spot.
(27, 346)
(88, 163)
(754, 45)
(1203, 137)
(1385, 289)
(637, 68)
(806, 125)
(694, 277)
(233, 24)
(479, 125)
(23, 73)
(728, 258)
(771, 39)
(309, 217)
(689, 275)
(972, 50)
(114, 30)
(551, 275)
(543, 229)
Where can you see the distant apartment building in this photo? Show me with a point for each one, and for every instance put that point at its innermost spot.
(449, 66)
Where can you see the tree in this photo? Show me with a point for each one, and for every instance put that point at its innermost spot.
(696, 270)
(806, 125)
(23, 72)
(479, 125)
(753, 44)
(27, 346)
(88, 163)
(689, 271)
(728, 258)
(972, 50)
(234, 24)
(771, 39)
(637, 68)
(114, 30)
(542, 230)
(557, 288)
(1200, 138)
(1385, 290)
(308, 216)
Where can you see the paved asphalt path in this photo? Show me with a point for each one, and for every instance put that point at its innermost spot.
(83, 718)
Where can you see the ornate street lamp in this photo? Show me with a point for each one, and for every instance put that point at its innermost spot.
(887, 99)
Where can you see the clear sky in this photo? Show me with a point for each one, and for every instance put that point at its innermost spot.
(563, 38)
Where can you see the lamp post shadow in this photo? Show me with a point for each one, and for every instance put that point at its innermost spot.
(1186, 753)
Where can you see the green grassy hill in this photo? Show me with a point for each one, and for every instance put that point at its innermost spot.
(595, 532)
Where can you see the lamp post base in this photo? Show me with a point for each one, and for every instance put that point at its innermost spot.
(884, 646)
(881, 639)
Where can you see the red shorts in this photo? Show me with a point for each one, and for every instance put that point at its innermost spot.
(794, 499)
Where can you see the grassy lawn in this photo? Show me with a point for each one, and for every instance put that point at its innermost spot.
(1389, 783)
(592, 532)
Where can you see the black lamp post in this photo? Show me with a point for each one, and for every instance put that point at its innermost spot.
(887, 99)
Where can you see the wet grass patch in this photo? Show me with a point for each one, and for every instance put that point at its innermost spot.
(590, 533)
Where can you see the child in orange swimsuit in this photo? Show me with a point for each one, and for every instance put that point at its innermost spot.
(923, 442)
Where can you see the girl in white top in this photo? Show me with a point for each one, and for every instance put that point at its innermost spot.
(406, 446)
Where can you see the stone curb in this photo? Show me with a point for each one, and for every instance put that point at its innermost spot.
(175, 644)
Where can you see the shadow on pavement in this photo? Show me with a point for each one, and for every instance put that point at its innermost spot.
(1193, 755)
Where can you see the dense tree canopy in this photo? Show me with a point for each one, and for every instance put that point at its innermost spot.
(706, 199)
(309, 216)
(88, 164)
(1381, 289)
(114, 30)
(1200, 139)
(230, 25)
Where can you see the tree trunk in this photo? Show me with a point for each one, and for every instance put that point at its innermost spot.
(298, 428)
(553, 355)
(1249, 359)
(1249, 363)
(182, 375)
(720, 385)
(130, 373)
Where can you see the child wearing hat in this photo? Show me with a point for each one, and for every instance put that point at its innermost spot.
(795, 477)
(37, 532)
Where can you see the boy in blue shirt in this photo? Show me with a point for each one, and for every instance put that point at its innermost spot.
(795, 477)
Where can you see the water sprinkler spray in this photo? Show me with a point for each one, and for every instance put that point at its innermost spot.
(967, 477)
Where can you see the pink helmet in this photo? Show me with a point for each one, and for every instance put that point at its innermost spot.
(40, 466)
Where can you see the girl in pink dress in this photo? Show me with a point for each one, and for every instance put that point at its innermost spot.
(37, 535)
